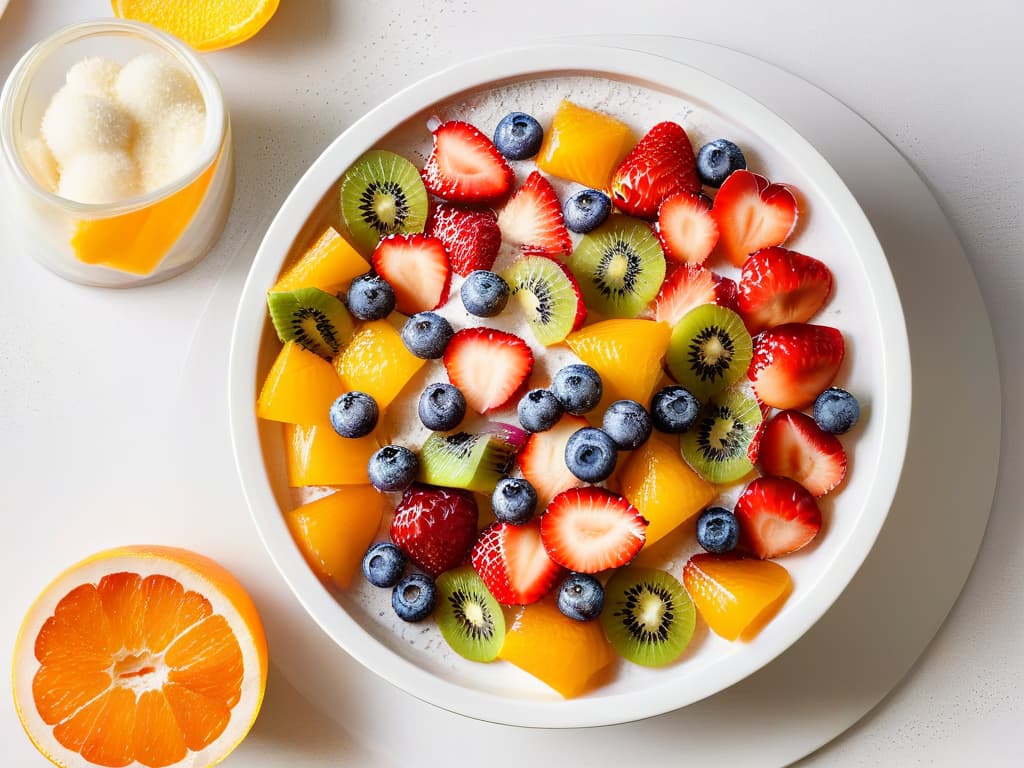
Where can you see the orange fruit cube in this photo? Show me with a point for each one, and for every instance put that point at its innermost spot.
(584, 145)
(317, 455)
(299, 389)
(329, 264)
(567, 655)
(657, 481)
(627, 353)
(736, 596)
(376, 362)
(335, 531)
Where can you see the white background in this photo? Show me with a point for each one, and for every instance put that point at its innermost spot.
(105, 437)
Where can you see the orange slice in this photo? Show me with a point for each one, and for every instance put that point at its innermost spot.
(148, 656)
(204, 25)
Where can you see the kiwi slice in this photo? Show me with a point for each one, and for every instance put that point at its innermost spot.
(710, 349)
(717, 446)
(463, 460)
(648, 617)
(311, 317)
(381, 194)
(469, 618)
(619, 266)
(548, 295)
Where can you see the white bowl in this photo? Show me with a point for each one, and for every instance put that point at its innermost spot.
(641, 89)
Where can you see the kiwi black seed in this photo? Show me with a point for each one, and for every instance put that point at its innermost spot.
(648, 617)
(717, 446)
(619, 266)
(547, 295)
(313, 318)
(470, 619)
(464, 460)
(710, 349)
(382, 194)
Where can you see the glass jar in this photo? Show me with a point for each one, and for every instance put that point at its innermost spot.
(138, 240)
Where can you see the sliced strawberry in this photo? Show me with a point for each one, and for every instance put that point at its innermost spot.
(417, 269)
(778, 286)
(470, 237)
(661, 164)
(465, 166)
(542, 460)
(589, 530)
(488, 366)
(794, 446)
(686, 287)
(686, 229)
(532, 219)
(435, 527)
(513, 563)
(752, 213)
(792, 364)
(777, 516)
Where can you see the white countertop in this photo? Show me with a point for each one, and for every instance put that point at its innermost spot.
(93, 383)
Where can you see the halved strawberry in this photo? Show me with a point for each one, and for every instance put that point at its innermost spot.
(435, 527)
(542, 460)
(792, 364)
(686, 287)
(532, 219)
(659, 165)
(513, 564)
(778, 286)
(470, 237)
(465, 166)
(686, 229)
(777, 516)
(590, 529)
(488, 366)
(794, 446)
(417, 268)
(752, 213)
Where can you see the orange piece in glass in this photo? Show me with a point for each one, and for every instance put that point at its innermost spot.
(317, 455)
(627, 353)
(377, 362)
(736, 596)
(584, 145)
(299, 389)
(329, 264)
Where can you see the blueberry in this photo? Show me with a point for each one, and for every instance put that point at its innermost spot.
(578, 388)
(590, 455)
(718, 530)
(413, 597)
(518, 136)
(836, 410)
(383, 564)
(426, 335)
(674, 409)
(586, 210)
(442, 407)
(581, 597)
(514, 500)
(539, 410)
(627, 423)
(717, 159)
(370, 297)
(484, 293)
(354, 414)
(392, 468)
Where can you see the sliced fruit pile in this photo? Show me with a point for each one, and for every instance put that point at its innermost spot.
(514, 507)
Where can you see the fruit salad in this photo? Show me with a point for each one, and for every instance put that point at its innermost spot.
(555, 387)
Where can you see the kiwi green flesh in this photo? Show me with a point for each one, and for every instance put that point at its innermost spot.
(382, 194)
(312, 318)
(716, 446)
(470, 619)
(620, 267)
(546, 295)
(463, 460)
(648, 617)
(709, 350)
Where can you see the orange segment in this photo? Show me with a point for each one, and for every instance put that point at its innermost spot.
(329, 264)
(207, 661)
(201, 719)
(567, 655)
(204, 25)
(583, 145)
(156, 736)
(662, 487)
(736, 596)
(334, 532)
(627, 354)
(299, 389)
(170, 610)
(376, 362)
(320, 456)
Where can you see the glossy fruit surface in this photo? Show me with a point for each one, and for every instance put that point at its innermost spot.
(329, 264)
(317, 455)
(584, 145)
(735, 596)
(299, 389)
(377, 362)
(626, 353)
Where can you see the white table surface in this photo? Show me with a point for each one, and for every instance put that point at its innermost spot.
(93, 383)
